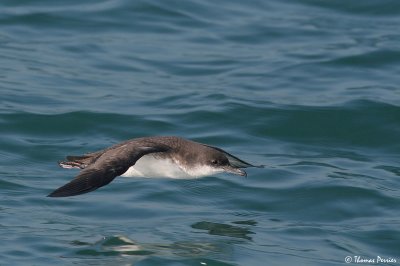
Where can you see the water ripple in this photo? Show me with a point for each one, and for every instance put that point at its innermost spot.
(307, 88)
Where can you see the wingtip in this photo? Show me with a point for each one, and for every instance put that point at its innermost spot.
(55, 194)
(63, 192)
(67, 190)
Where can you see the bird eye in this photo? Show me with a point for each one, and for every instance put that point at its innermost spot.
(214, 162)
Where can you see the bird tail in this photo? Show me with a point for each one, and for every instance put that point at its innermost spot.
(79, 162)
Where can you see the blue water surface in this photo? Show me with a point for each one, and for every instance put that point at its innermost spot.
(308, 88)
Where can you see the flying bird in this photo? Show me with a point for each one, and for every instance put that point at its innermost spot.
(158, 156)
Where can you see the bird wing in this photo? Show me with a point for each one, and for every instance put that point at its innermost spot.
(109, 165)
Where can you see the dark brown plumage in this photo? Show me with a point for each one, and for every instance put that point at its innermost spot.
(101, 167)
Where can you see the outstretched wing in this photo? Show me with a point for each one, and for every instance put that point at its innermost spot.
(108, 166)
(235, 161)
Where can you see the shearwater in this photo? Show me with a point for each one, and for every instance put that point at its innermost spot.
(159, 156)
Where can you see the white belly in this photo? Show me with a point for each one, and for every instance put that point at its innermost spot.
(149, 166)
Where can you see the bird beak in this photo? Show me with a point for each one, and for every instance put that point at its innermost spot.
(236, 171)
